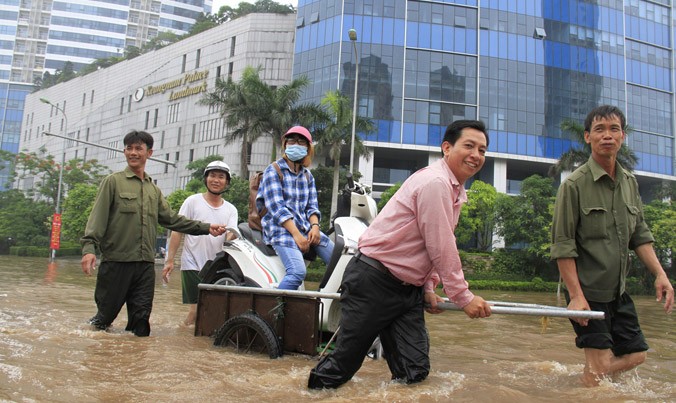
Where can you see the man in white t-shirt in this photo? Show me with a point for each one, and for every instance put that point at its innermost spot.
(209, 207)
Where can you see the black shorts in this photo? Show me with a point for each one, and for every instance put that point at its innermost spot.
(619, 330)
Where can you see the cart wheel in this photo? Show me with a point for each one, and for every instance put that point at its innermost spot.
(248, 333)
(226, 281)
(232, 278)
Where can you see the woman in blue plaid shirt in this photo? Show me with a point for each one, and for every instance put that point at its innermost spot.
(291, 224)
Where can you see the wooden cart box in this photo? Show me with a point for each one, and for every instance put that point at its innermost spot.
(295, 319)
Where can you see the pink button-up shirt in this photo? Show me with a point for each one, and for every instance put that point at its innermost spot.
(413, 235)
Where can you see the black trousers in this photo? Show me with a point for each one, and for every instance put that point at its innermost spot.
(131, 283)
(375, 304)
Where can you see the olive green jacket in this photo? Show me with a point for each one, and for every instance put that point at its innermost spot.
(596, 221)
(123, 222)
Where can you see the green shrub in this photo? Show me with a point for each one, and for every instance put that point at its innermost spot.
(42, 251)
(315, 271)
(463, 257)
(536, 285)
(634, 286)
(32, 251)
(478, 264)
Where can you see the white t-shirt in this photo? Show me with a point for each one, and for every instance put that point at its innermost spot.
(197, 249)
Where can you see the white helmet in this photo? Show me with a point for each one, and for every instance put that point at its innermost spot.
(217, 166)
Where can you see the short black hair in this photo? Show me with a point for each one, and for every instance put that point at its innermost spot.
(604, 111)
(454, 130)
(137, 136)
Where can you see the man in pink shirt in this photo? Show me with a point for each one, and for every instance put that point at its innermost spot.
(408, 249)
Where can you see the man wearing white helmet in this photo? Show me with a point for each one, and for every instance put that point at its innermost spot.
(210, 207)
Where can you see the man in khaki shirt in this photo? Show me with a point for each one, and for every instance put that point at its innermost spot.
(598, 218)
(123, 227)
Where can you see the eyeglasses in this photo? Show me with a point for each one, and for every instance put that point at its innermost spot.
(296, 140)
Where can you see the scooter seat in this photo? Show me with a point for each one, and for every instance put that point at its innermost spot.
(256, 238)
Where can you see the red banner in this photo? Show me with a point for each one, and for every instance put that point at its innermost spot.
(56, 232)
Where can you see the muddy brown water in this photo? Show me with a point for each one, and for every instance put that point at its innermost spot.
(49, 353)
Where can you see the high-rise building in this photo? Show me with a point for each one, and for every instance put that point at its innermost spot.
(38, 36)
(521, 66)
(159, 92)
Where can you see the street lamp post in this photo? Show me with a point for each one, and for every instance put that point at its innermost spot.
(57, 213)
(353, 38)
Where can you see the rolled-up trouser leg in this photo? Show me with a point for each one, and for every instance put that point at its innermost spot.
(140, 299)
(112, 282)
(370, 301)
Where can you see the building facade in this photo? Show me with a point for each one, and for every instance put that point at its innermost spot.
(521, 66)
(38, 36)
(159, 92)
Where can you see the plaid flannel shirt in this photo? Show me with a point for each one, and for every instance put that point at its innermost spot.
(294, 198)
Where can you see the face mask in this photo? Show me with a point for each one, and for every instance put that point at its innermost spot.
(295, 152)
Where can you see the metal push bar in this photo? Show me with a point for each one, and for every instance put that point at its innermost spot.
(498, 307)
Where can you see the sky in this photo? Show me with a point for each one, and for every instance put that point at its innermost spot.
(217, 4)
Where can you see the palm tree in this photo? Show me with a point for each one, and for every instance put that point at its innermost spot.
(254, 108)
(575, 157)
(284, 113)
(336, 131)
(244, 106)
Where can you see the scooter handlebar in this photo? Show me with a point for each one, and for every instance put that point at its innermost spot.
(350, 181)
(234, 230)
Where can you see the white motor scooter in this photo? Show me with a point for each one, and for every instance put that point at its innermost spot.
(247, 261)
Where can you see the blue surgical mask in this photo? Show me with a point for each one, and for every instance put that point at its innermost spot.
(295, 152)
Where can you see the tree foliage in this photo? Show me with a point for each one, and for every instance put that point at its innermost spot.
(44, 171)
(76, 209)
(252, 108)
(62, 75)
(23, 219)
(477, 218)
(387, 195)
(227, 13)
(238, 194)
(177, 197)
(336, 130)
(661, 219)
(526, 219)
(204, 22)
(243, 106)
(285, 111)
(667, 190)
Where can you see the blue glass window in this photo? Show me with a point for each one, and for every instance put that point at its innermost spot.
(412, 35)
(421, 131)
(409, 133)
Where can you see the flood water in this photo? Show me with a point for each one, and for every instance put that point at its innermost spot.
(49, 353)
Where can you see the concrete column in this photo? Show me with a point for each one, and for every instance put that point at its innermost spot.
(365, 167)
(500, 175)
(500, 184)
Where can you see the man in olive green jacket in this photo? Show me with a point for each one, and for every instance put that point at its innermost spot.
(123, 227)
(598, 218)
